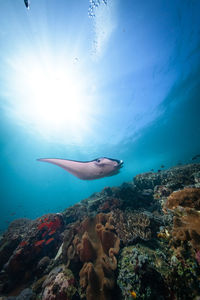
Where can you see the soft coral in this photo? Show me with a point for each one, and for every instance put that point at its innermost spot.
(49, 225)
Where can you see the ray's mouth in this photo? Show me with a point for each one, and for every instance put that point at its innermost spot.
(120, 163)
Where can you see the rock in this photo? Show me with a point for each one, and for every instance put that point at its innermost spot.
(12, 237)
(42, 264)
(26, 294)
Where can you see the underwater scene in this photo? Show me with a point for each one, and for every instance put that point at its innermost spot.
(100, 150)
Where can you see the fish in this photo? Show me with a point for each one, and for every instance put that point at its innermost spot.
(27, 4)
(195, 157)
(88, 170)
(133, 294)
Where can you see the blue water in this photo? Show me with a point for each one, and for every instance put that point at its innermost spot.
(124, 83)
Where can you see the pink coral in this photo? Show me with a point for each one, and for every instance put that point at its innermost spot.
(59, 286)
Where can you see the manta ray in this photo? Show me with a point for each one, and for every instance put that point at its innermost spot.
(88, 170)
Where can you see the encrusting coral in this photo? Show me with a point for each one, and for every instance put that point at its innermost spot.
(96, 245)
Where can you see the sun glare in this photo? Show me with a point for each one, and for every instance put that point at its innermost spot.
(54, 99)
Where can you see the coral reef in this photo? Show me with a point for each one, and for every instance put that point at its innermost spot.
(174, 178)
(139, 240)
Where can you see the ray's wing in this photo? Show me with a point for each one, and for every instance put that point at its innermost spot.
(63, 163)
(71, 166)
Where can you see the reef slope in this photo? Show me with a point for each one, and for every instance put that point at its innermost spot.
(139, 240)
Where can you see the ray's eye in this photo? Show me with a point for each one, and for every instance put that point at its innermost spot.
(98, 160)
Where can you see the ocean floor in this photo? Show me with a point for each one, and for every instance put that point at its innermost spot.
(140, 240)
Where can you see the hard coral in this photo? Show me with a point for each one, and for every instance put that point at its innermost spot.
(96, 245)
(130, 226)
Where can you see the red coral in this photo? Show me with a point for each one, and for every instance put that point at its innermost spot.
(23, 243)
(49, 241)
(52, 232)
(49, 225)
(39, 243)
(44, 233)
